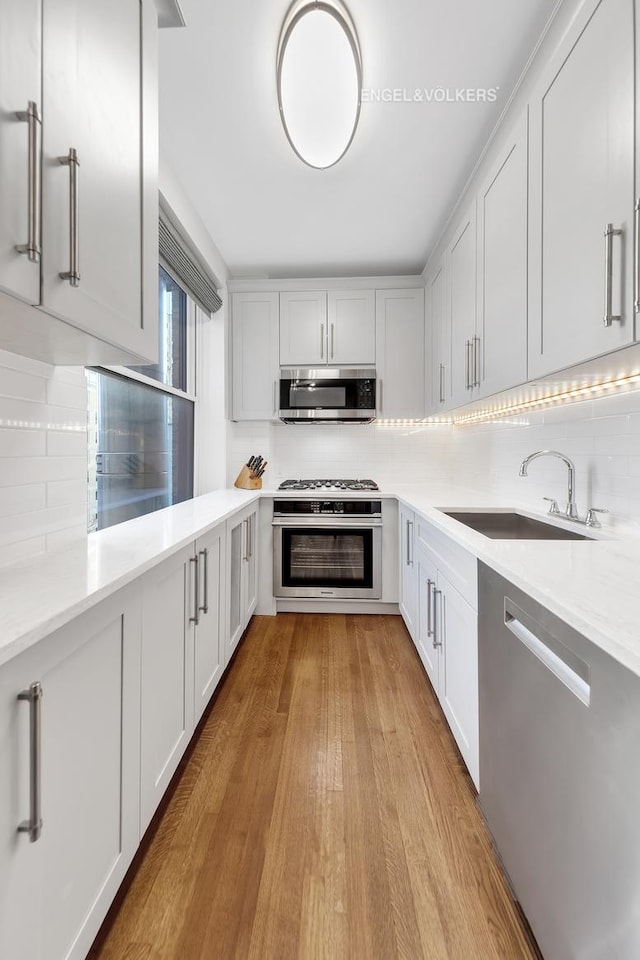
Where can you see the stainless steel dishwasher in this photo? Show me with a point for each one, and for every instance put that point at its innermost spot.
(560, 775)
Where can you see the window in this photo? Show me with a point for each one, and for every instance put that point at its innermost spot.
(141, 419)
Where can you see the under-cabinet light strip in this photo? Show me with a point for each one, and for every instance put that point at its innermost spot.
(573, 394)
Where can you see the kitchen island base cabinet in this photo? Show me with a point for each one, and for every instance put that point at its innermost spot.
(55, 892)
(242, 571)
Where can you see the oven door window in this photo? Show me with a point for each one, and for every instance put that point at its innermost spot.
(327, 557)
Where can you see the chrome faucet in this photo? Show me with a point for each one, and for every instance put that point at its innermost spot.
(572, 511)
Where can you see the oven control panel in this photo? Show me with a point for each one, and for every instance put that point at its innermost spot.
(353, 508)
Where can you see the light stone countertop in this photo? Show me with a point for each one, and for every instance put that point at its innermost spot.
(593, 585)
(40, 594)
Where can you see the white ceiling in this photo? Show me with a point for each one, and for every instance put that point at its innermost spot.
(382, 208)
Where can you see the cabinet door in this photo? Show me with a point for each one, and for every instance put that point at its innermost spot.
(94, 83)
(408, 597)
(400, 353)
(90, 738)
(582, 179)
(236, 529)
(462, 307)
(351, 316)
(426, 639)
(90, 773)
(166, 695)
(20, 84)
(438, 387)
(458, 682)
(250, 574)
(303, 329)
(208, 654)
(502, 267)
(255, 319)
(22, 865)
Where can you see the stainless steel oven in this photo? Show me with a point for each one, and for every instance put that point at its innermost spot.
(329, 549)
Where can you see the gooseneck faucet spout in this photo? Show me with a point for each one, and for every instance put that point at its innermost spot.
(572, 510)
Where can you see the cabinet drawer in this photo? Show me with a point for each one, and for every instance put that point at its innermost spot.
(458, 565)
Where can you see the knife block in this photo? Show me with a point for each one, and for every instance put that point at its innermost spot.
(245, 481)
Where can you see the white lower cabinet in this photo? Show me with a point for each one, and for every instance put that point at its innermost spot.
(408, 571)
(242, 570)
(447, 635)
(55, 891)
(166, 699)
(182, 658)
(208, 640)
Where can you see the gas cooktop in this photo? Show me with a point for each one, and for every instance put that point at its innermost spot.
(328, 485)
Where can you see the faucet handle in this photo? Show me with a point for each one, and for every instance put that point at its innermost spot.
(554, 505)
(592, 520)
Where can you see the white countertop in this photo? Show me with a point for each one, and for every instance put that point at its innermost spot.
(41, 594)
(593, 585)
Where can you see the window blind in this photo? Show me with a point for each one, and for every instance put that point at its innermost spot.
(187, 268)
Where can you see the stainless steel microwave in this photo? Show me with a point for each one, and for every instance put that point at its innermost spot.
(327, 395)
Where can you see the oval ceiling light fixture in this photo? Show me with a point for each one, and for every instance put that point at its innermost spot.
(319, 75)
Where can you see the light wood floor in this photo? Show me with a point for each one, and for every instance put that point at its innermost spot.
(324, 813)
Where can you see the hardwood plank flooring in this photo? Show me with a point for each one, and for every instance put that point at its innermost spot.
(324, 813)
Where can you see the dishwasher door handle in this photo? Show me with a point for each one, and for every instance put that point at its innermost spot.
(578, 685)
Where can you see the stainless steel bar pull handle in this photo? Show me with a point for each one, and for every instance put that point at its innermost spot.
(73, 273)
(430, 586)
(322, 341)
(636, 267)
(410, 543)
(476, 362)
(609, 316)
(437, 627)
(333, 328)
(33, 826)
(196, 602)
(249, 537)
(441, 383)
(31, 116)
(205, 606)
(467, 365)
(245, 524)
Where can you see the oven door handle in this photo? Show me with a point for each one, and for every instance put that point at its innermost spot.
(321, 524)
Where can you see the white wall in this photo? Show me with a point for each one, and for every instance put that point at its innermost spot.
(43, 456)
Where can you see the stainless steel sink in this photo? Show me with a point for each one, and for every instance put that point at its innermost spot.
(509, 525)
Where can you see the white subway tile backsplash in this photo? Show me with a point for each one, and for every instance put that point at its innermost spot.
(15, 384)
(43, 455)
(22, 443)
(23, 499)
(67, 443)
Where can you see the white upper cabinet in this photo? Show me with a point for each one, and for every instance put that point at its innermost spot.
(90, 179)
(500, 349)
(256, 366)
(438, 336)
(351, 327)
(303, 329)
(20, 88)
(582, 130)
(400, 351)
(335, 327)
(462, 258)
